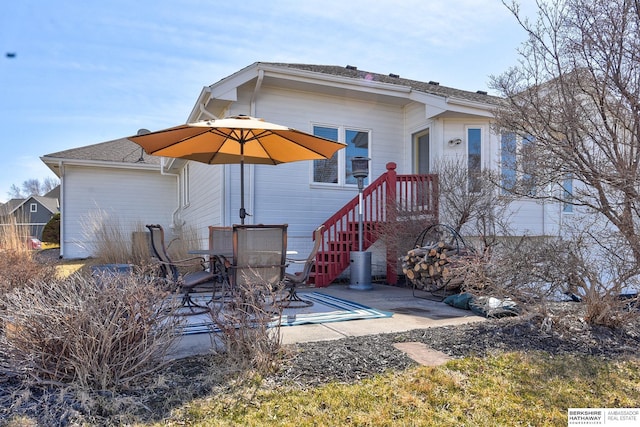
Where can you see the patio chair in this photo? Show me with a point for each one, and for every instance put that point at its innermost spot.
(259, 257)
(188, 274)
(221, 248)
(293, 280)
(221, 240)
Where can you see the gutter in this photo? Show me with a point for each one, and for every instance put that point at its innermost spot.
(334, 80)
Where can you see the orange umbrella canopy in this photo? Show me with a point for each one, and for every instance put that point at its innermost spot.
(237, 139)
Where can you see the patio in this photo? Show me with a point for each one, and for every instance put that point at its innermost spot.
(405, 313)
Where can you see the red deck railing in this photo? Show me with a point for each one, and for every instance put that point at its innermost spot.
(383, 199)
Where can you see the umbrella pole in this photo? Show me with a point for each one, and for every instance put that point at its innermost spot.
(243, 212)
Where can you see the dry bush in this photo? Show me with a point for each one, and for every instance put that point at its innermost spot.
(93, 334)
(113, 242)
(525, 269)
(536, 273)
(18, 265)
(20, 268)
(472, 205)
(14, 233)
(250, 336)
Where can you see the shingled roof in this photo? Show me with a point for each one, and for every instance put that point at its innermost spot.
(431, 87)
(119, 150)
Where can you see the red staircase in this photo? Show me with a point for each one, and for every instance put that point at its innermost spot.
(382, 200)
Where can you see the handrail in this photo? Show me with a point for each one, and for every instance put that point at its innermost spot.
(382, 200)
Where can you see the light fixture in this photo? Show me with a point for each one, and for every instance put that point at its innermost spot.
(455, 141)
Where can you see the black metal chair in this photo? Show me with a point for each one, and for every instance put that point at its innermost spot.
(293, 280)
(188, 274)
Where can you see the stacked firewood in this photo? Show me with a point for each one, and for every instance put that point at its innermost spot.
(435, 267)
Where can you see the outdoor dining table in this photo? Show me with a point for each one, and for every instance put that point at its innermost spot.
(221, 259)
(226, 255)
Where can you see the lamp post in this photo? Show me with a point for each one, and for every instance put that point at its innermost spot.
(360, 260)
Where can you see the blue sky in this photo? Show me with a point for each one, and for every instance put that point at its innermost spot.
(88, 71)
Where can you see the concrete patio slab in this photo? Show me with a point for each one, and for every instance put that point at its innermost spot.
(422, 354)
(408, 311)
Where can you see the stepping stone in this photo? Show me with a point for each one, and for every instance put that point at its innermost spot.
(422, 354)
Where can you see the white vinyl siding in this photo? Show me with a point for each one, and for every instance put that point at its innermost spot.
(126, 197)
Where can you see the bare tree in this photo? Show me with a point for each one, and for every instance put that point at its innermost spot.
(575, 97)
(472, 205)
(33, 187)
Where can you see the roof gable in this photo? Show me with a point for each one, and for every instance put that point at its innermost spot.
(345, 82)
(117, 151)
(49, 203)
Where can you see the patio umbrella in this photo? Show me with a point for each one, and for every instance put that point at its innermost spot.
(237, 139)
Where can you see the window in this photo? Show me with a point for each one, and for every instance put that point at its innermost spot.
(517, 163)
(474, 156)
(185, 186)
(421, 152)
(567, 189)
(337, 170)
(528, 159)
(508, 161)
(33, 207)
(326, 170)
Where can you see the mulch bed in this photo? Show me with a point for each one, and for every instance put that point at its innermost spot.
(306, 365)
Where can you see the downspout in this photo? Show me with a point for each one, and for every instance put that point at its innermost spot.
(175, 215)
(206, 112)
(202, 107)
(254, 95)
(62, 217)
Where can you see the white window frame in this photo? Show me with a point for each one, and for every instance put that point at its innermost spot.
(467, 129)
(519, 175)
(33, 207)
(341, 156)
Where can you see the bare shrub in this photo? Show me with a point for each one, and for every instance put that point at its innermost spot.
(472, 205)
(18, 269)
(93, 334)
(14, 233)
(538, 272)
(18, 265)
(525, 269)
(113, 242)
(600, 270)
(247, 319)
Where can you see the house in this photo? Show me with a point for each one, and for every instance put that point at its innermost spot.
(391, 120)
(33, 211)
(112, 181)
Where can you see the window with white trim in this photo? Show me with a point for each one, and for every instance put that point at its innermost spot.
(567, 196)
(474, 157)
(33, 207)
(517, 163)
(337, 170)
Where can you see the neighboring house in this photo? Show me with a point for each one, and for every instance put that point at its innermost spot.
(387, 118)
(33, 212)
